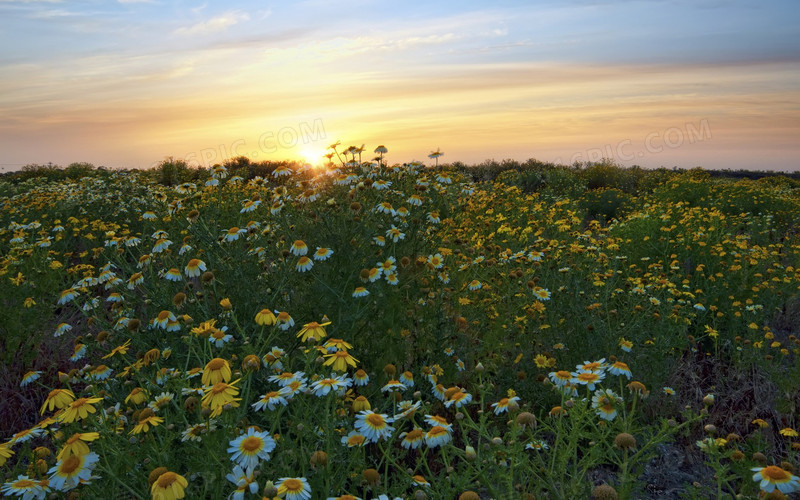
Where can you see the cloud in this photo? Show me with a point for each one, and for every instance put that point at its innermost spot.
(215, 24)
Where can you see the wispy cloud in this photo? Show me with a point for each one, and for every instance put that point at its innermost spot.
(215, 24)
(517, 79)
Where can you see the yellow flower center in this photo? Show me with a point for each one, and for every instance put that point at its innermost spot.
(293, 485)
(166, 479)
(252, 443)
(414, 435)
(79, 402)
(637, 386)
(437, 431)
(70, 465)
(216, 364)
(375, 420)
(219, 388)
(774, 473)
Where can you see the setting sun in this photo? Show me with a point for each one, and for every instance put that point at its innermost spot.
(313, 155)
(561, 82)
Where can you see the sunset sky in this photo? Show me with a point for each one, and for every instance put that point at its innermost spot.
(682, 83)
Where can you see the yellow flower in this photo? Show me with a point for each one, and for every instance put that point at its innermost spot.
(137, 396)
(76, 444)
(338, 344)
(313, 330)
(788, 432)
(5, 453)
(169, 486)
(541, 361)
(58, 398)
(219, 395)
(78, 410)
(121, 350)
(146, 419)
(205, 329)
(265, 317)
(340, 359)
(217, 370)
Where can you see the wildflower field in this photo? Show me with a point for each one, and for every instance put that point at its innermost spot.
(369, 330)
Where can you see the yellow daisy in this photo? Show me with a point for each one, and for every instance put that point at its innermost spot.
(216, 370)
(78, 410)
(340, 360)
(169, 486)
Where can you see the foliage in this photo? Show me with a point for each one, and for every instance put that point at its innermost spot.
(543, 323)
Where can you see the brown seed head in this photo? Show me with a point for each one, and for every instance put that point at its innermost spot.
(469, 495)
(371, 476)
(604, 492)
(625, 441)
(526, 419)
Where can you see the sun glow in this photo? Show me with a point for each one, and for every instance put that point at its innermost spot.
(313, 155)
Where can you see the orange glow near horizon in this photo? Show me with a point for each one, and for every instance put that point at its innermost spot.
(242, 81)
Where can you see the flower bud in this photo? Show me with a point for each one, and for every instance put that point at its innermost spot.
(270, 490)
(319, 458)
